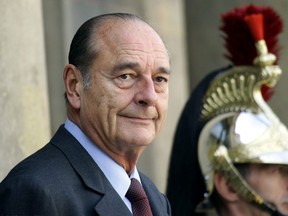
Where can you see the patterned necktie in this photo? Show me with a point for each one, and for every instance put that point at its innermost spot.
(139, 201)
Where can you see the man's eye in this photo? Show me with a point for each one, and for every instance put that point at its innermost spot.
(125, 76)
(160, 79)
(125, 80)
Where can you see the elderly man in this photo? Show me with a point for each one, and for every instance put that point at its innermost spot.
(117, 95)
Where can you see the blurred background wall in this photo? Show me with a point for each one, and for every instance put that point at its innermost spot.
(34, 41)
(25, 116)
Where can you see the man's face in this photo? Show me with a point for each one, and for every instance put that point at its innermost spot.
(271, 183)
(126, 103)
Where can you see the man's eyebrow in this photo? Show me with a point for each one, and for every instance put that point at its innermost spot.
(135, 65)
(164, 70)
(126, 65)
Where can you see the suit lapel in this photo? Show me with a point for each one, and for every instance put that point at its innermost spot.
(89, 172)
(110, 203)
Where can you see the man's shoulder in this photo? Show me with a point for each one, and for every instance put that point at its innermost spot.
(45, 163)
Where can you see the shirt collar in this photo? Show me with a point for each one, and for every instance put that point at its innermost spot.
(115, 174)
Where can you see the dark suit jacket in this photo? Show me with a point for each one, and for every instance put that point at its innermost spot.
(62, 179)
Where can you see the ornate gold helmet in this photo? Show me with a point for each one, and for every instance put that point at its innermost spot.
(239, 126)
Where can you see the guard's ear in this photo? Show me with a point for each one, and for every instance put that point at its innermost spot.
(73, 84)
(226, 191)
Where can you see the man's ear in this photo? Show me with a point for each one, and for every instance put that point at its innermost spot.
(73, 83)
(226, 191)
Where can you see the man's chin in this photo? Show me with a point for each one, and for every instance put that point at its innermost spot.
(139, 135)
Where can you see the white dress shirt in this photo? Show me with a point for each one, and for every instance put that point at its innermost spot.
(115, 173)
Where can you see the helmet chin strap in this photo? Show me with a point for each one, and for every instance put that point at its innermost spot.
(273, 211)
(276, 213)
(223, 162)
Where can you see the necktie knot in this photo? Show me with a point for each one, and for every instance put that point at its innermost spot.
(139, 201)
(135, 191)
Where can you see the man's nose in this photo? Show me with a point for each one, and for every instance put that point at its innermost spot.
(146, 94)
